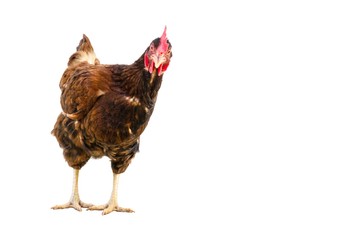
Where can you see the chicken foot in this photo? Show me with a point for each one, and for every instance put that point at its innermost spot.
(112, 205)
(74, 201)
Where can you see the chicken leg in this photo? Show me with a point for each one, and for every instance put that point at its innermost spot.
(74, 201)
(112, 205)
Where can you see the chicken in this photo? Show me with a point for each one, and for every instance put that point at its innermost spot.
(105, 110)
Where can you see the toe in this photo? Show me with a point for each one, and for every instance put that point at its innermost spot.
(85, 205)
(62, 206)
(97, 207)
(117, 209)
(77, 207)
(120, 209)
(107, 211)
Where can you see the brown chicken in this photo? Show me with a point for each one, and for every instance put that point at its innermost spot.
(105, 110)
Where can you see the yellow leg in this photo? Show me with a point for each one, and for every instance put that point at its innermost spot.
(112, 205)
(74, 201)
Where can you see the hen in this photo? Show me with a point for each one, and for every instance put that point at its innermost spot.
(105, 110)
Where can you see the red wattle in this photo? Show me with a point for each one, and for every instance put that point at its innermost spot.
(146, 61)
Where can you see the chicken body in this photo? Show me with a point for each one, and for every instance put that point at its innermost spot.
(105, 110)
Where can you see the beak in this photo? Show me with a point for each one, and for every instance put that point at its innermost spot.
(158, 59)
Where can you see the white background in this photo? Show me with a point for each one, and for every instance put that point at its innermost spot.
(255, 134)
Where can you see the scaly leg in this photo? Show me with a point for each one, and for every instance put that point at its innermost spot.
(74, 199)
(112, 205)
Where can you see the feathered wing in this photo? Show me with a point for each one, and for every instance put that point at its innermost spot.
(83, 82)
(85, 85)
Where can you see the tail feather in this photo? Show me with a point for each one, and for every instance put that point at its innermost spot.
(84, 53)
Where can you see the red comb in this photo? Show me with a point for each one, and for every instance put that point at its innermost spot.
(163, 41)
